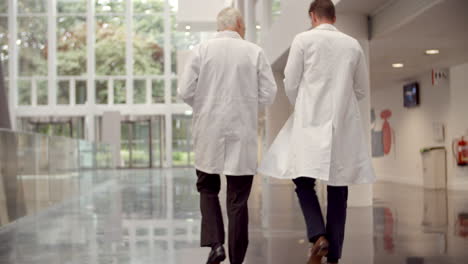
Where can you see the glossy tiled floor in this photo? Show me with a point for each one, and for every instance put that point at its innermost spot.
(145, 217)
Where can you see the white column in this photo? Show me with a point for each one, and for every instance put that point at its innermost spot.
(167, 83)
(266, 16)
(13, 61)
(129, 51)
(91, 68)
(149, 97)
(52, 52)
(251, 30)
(111, 133)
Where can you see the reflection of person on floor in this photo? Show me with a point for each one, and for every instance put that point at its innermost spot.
(225, 81)
(325, 76)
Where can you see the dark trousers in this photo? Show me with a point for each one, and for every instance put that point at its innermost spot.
(334, 230)
(212, 228)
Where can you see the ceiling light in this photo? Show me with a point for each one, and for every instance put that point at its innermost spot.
(188, 27)
(259, 27)
(432, 52)
(398, 65)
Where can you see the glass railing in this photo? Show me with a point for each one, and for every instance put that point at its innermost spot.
(38, 171)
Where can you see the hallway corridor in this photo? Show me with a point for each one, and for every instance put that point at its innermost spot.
(152, 216)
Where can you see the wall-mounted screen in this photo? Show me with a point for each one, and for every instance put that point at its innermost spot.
(411, 94)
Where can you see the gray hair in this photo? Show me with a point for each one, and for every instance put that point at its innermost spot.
(228, 18)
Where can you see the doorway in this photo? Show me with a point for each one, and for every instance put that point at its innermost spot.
(142, 143)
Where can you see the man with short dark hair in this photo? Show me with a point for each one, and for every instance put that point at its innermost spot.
(325, 77)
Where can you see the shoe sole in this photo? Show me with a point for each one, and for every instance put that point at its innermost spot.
(218, 260)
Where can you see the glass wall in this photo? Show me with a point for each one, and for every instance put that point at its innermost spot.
(276, 9)
(182, 143)
(42, 171)
(142, 143)
(85, 57)
(71, 127)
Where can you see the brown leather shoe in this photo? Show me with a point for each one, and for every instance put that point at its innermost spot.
(318, 251)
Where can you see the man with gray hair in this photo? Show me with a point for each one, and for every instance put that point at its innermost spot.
(226, 81)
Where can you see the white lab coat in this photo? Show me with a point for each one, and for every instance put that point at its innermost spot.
(325, 76)
(225, 81)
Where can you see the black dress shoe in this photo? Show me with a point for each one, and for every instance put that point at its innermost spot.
(217, 255)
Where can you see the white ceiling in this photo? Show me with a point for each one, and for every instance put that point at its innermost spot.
(444, 27)
(360, 6)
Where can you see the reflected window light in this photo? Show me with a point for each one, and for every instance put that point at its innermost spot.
(106, 8)
(188, 112)
(188, 27)
(148, 11)
(259, 27)
(191, 47)
(187, 33)
(18, 42)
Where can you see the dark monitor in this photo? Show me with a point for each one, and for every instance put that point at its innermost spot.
(411, 94)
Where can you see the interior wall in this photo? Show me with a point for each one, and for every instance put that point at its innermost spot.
(413, 127)
(458, 123)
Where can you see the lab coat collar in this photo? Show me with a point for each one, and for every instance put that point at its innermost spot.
(228, 34)
(327, 27)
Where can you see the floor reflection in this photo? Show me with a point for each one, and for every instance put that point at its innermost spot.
(152, 216)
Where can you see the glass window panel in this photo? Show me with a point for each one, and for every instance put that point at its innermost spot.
(140, 144)
(71, 6)
(157, 137)
(120, 92)
(63, 93)
(44, 128)
(125, 144)
(32, 46)
(62, 129)
(181, 141)
(184, 41)
(71, 46)
(32, 6)
(4, 6)
(24, 92)
(139, 91)
(276, 9)
(148, 6)
(42, 92)
(78, 127)
(175, 98)
(110, 45)
(101, 92)
(148, 45)
(110, 6)
(158, 91)
(81, 92)
(4, 44)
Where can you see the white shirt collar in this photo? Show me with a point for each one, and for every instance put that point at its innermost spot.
(228, 34)
(327, 27)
